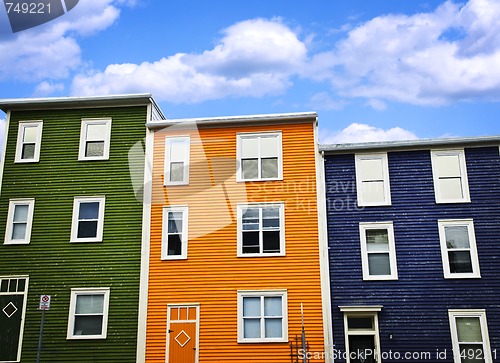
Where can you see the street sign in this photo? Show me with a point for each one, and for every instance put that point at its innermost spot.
(44, 302)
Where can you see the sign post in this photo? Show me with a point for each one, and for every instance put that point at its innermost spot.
(44, 305)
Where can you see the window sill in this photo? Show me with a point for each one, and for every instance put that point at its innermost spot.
(85, 240)
(247, 255)
(16, 243)
(454, 277)
(85, 337)
(258, 180)
(262, 341)
(20, 161)
(94, 159)
(380, 278)
(174, 258)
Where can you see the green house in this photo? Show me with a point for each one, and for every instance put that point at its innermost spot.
(71, 219)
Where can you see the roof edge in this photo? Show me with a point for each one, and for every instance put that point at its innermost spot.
(410, 144)
(17, 104)
(273, 118)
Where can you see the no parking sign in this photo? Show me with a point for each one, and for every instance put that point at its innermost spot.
(44, 302)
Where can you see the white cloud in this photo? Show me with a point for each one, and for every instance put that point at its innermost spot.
(51, 51)
(45, 89)
(254, 58)
(428, 58)
(323, 101)
(356, 132)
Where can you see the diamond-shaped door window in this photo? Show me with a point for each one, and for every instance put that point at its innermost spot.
(182, 338)
(10, 309)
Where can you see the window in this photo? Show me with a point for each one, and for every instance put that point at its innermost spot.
(261, 230)
(177, 151)
(450, 176)
(469, 335)
(378, 251)
(88, 313)
(88, 219)
(361, 333)
(458, 248)
(29, 140)
(95, 138)
(262, 316)
(259, 156)
(175, 233)
(19, 221)
(372, 179)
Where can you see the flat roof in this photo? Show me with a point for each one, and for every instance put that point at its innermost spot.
(241, 119)
(19, 104)
(411, 144)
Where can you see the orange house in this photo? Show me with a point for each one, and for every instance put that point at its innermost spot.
(235, 265)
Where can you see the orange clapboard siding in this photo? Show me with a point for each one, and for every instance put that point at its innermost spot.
(213, 274)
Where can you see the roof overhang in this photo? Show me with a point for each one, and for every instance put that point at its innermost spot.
(52, 103)
(420, 144)
(278, 118)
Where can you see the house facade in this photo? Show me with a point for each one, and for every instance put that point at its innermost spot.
(413, 232)
(234, 263)
(71, 220)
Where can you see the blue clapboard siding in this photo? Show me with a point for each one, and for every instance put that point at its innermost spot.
(415, 307)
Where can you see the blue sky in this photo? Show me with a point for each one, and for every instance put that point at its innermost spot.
(372, 69)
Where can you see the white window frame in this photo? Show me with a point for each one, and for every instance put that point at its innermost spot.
(246, 135)
(264, 293)
(463, 175)
(184, 236)
(83, 138)
(186, 140)
(359, 312)
(20, 135)
(75, 292)
(472, 248)
(359, 158)
(241, 208)
(363, 227)
(100, 220)
(30, 202)
(469, 313)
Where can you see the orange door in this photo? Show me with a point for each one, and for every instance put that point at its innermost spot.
(182, 328)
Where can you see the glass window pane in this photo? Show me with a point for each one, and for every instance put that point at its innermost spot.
(250, 219)
(249, 168)
(451, 188)
(174, 222)
(371, 169)
(269, 168)
(457, 236)
(269, 147)
(30, 133)
(270, 218)
(87, 229)
(469, 329)
(448, 165)
(177, 172)
(378, 264)
(251, 306)
(94, 148)
(88, 325)
(251, 242)
(174, 245)
(273, 328)
(471, 353)
(377, 240)
(21, 285)
(251, 328)
(373, 191)
(272, 306)
(249, 147)
(90, 304)
(21, 213)
(28, 151)
(177, 150)
(19, 231)
(4, 286)
(89, 210)
(460, 261)
(271, 242)
(96, 132)
(364, 323)
(13, 285)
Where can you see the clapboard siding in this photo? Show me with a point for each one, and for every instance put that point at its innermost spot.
(55, 265)
(213, 274)
(415, 307)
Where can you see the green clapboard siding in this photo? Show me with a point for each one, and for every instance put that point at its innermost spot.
(55, 265)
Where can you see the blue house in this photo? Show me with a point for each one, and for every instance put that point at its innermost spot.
(414, 250)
